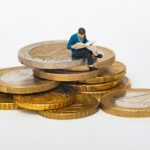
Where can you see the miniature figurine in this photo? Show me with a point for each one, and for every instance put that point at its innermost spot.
(78, 44)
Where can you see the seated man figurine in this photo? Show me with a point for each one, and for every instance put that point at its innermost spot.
(80, 37)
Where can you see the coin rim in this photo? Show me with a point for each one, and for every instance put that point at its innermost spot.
(97, 87)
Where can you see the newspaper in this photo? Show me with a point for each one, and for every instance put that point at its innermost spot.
(83, 45)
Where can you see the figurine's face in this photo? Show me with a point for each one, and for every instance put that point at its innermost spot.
(81, 35)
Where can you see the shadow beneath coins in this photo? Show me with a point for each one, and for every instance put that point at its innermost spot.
(25, 111)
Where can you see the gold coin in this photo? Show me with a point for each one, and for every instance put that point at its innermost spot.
(55, 55)
(107, 60)
(78, 87)
(125, 84)
(63, 75)
(113, 72)
(127, 103)
(20, 80)
(84, 106)
(57, 98)
(7, 102)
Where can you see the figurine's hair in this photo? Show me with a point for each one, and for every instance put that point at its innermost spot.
(81, 31)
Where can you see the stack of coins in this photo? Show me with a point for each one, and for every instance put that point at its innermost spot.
(112, 78)
(58, 86)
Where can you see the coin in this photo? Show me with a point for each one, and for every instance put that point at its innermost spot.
(54, 99)
(55, 55)
(84, 106)
(113, 72)
(125, 84)
(78, 87)
(20, 80)
(7, 102)
(127, 103)
(107, 60)
(62, 75)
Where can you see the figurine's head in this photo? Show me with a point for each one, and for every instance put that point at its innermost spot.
(81, 32)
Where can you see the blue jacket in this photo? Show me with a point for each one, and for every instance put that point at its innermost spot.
(73, 40)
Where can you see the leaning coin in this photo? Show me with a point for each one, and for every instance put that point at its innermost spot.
(20, 80)
(127, 103)
(62, 75)
(113, 72)
(7, 102)
(84, 106)
(55, 55)
(54, 99)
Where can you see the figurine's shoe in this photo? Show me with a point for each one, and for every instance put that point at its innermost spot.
(93, 68)
(99, 56)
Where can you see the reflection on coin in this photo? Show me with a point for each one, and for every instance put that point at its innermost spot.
(108, 59)
(78, 87)
(55, 55)
(7, 102)
(54, 99)
(113, 72)
(84, 106)
(62, 75)
(20, 80)
(125, 83)
(127, 103)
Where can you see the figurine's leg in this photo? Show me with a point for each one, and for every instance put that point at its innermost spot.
(84, 54)
(94, 53)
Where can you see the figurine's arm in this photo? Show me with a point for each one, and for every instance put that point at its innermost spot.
(71, 44)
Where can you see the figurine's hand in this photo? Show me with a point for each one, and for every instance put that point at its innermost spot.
(73, 46)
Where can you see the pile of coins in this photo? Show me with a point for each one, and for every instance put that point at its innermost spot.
(60, 87)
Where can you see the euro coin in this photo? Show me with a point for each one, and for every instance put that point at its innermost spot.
(20, 80)
(55, 55)
(54, 99)
(127, 103)
(82, 107)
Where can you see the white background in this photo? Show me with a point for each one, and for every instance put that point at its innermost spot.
(122, 25)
